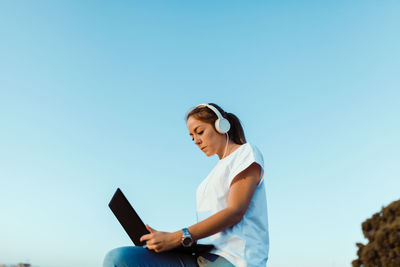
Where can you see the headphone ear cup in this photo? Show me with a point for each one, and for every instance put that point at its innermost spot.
(222, 125)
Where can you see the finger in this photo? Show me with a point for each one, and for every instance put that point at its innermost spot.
(156, 248)
(146, 237)
(151, 230)
(150, 242)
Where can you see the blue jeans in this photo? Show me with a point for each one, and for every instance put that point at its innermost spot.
(141, 257)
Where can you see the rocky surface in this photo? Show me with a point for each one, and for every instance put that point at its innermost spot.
(383, 233)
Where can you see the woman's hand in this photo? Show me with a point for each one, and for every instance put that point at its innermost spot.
(161, 241)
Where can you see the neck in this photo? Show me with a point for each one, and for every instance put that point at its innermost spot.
(227, 148)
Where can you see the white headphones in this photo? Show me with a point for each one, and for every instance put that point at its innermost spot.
(222, 125)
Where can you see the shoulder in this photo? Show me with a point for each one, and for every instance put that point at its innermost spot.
(250, 150)
(247, 154)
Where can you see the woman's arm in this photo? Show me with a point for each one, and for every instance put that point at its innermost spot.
(240, 194)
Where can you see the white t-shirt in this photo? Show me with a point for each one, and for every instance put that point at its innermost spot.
(245, 244)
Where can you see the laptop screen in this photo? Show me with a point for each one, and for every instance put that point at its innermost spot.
(128, 217)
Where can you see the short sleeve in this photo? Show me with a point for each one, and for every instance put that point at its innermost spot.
(244, 159)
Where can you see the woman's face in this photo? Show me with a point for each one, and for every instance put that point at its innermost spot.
(205, 137)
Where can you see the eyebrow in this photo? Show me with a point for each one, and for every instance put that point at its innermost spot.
(195, 129)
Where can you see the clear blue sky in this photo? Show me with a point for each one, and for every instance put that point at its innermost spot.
(93, 96)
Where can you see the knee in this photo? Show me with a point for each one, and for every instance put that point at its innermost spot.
(123, 257)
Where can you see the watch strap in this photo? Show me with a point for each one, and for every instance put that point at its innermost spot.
(186, 235)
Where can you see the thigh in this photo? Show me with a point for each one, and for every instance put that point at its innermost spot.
(216, 261)
(138, 256)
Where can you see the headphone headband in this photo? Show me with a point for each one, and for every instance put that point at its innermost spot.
(216, 111)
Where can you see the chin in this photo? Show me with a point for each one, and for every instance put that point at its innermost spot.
(208, 154)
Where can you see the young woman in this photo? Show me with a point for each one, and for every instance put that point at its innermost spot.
(231, 203)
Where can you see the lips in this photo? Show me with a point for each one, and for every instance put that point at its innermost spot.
(203, 148)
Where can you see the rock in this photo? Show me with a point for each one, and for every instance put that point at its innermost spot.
(383, 233)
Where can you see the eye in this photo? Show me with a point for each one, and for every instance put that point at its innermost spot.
(201, 132)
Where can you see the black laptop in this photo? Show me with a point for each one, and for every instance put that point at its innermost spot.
(135, 227)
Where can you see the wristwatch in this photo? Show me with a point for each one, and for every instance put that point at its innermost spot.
(187, 239)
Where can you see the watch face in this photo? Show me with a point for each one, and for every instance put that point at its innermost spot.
(187, 241)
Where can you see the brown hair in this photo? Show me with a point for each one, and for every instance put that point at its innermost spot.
(205, 114)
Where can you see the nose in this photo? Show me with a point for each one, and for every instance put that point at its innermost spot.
(197, 140)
